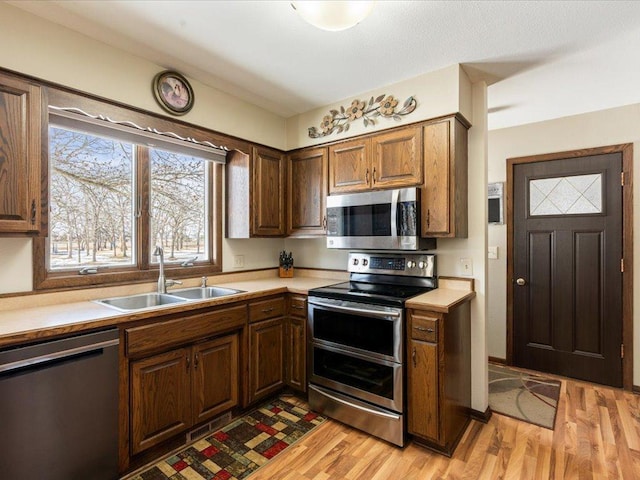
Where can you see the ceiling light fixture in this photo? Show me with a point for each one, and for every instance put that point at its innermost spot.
(333, 15)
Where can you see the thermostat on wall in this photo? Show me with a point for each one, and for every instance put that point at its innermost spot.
(495, 195)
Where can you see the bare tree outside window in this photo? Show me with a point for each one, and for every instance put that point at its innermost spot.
(178, 205)
(91, 200)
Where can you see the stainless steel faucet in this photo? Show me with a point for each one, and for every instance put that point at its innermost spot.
(163, 283)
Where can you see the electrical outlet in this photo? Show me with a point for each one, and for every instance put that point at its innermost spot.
(466, 267)
(238, 261)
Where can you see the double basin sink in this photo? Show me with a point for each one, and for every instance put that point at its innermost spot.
(146, 301)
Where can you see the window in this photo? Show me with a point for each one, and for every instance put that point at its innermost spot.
(114, 195)
(91, 192)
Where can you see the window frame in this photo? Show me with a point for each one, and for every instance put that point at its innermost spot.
(143, 270)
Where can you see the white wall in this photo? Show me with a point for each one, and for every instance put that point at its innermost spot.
(438, 93)
(606, 127)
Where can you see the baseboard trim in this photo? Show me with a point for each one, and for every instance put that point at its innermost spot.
(501, 361)
(483, 417)
(636, 389)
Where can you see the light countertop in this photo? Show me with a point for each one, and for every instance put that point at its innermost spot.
(27, 318)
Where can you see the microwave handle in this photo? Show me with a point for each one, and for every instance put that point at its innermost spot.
(394, 214)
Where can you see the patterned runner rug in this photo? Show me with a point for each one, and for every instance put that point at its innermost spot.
(522, 395)
(240, 448)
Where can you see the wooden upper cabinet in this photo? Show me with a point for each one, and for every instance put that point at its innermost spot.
(349, 164)
(255, 193)
(268, 188)
(307, 191)
(397, 158)
(20, 155)
(385, 160)
(444, 192)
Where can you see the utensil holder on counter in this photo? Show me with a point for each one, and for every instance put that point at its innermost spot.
(286, 272)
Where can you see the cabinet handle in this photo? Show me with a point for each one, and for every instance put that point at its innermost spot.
(366, 176)
(423, 329)
(428, 218)
(298, 307)
(374, 175)
(324, 222)
(267, 310)
(413, 356)
(195, 361)
(33, 212)
(188, 362)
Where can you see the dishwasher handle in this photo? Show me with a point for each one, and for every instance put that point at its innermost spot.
(56, 356)
(39, 354)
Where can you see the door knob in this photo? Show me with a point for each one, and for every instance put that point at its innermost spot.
(521, 281)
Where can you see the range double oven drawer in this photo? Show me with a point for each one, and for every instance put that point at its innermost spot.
(355, 364)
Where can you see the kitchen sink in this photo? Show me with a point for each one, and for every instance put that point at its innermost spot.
(140, 302)
(151, 300)
(203, 293)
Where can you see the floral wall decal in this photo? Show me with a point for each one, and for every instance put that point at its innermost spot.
(382, 106)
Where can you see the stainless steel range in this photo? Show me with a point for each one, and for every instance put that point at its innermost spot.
(356, 342)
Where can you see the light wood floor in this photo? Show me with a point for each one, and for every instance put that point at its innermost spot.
(596, 436)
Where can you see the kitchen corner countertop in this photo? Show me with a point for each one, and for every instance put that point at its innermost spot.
(20, 324)
(450, 293)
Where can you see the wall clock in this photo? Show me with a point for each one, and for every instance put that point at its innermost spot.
(173, 92)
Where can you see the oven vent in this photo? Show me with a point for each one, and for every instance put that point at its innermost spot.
(212, 426)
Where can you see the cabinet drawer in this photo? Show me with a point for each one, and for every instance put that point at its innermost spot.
(298, 306)
(261, 310)
(424, 328)
(183, 330)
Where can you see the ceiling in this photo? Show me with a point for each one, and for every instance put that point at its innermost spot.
(542, 59)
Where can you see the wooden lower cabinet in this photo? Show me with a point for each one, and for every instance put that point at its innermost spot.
(215, 377)
(172, 391)
(266, 362)
(160, 398)
(296, 344)
(439, 377)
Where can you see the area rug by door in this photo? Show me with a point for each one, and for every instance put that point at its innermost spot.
(240, 448)
(522, 395)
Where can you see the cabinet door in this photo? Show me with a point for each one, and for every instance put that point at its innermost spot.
(296, 353)
(215, 377)
(268, 193)
(20, 152)
(307, 192)
(397, 158)
(444, 196)
(266, 373)
(423, 389)
(349, 166)
(160, 398)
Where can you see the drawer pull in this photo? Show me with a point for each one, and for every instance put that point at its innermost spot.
(423, 329)
(267, 310)
(298, 307)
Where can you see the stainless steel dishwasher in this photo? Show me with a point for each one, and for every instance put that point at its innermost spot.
(59, 409)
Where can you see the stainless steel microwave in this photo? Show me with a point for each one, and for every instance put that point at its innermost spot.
(380, 220)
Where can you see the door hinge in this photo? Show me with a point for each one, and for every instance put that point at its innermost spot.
(622, 265)
(622, 178)
(622, 350)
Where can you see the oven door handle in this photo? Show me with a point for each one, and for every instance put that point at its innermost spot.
(361, 311)
(353, 405)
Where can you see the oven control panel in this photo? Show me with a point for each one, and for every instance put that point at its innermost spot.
(416, 265)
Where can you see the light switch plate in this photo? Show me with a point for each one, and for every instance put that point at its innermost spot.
(466, 267)
(492, 253)
(238, 261)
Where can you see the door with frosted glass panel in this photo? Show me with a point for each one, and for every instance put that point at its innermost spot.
(567, 280)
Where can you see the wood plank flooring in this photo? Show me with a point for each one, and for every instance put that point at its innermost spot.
(596, 436)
